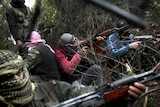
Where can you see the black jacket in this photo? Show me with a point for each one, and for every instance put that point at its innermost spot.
(47, 69)
(12, 22)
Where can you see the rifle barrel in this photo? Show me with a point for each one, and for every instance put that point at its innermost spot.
(109, 92)
(144, 37)
(130, 79)
(150, 79)
(78, 100)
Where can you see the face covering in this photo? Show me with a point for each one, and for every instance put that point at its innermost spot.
(15, 84)
(18, 3)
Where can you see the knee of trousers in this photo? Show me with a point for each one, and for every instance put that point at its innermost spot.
(96, 68)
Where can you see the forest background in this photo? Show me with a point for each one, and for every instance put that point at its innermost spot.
(84, 21)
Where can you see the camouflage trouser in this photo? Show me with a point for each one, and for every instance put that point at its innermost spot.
(50, 93)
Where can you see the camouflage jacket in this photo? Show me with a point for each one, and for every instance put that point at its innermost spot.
(48, 94)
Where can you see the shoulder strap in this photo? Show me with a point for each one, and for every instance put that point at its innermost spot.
(15, 11)
(19, 12)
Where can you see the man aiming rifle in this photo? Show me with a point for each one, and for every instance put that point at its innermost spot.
(148, 49)
(18, 18)
(118, 51)
(111, 93)
(18, 91)
(94, 41)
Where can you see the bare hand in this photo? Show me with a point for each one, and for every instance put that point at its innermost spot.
(157, 40)
(136, 90)
(100, 38)
(19, 43)
(135, 45)
(84, 50)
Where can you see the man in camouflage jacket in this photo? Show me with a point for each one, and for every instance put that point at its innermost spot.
(18, 91)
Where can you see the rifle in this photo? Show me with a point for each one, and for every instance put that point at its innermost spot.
(111, 91)
(145, 38)
(33, 20)
(93, 41)
(142, 38)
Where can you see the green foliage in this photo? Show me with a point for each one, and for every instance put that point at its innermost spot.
(48, 12)
(4, 32)
(152, 13)
(156, 4)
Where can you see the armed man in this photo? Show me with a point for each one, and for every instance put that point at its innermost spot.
(73, 64)
(18, 18)
(118, 50)
(17, 90)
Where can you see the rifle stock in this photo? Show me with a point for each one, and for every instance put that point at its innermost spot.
(110, 91)
(116, 94)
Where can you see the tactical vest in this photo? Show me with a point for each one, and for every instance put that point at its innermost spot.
(22, 20)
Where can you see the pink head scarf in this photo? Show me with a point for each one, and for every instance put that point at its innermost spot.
(35, 39)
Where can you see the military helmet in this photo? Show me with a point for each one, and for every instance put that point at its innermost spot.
(68, 39)
(125, 28)
(69, 43)
(121, 23)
